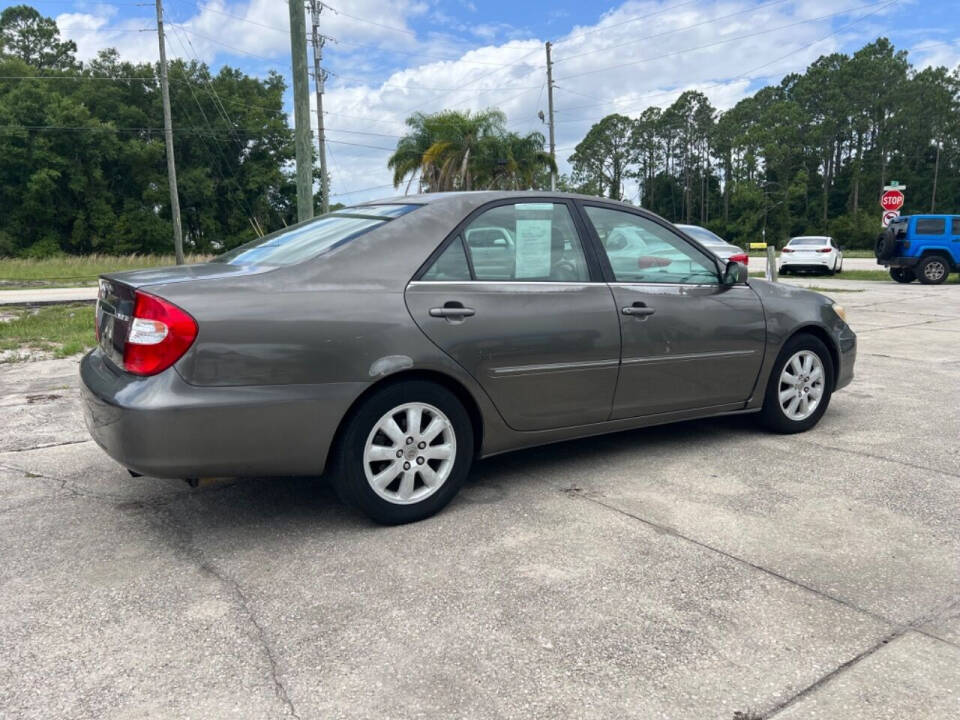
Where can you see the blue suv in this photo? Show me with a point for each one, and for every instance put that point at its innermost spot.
(924, 247)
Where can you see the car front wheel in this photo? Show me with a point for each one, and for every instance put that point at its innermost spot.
(800, 386)
(404, 452)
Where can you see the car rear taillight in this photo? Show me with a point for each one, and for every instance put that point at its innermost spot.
(160, 334)
(824, 249)
(741, 258)
(786, 250)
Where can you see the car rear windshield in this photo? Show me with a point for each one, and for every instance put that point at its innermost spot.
(809, 241)
(310, 238)
(702, 235)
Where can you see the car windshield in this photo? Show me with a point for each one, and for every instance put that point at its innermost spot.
(702, 235)
(310, 238)
(815, 241)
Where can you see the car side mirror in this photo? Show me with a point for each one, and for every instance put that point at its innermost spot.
(734, 273)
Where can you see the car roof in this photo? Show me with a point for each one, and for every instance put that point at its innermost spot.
(479, 197)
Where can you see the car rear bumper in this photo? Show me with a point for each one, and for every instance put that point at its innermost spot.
(164, 427)
(807, 262)
(899, 262)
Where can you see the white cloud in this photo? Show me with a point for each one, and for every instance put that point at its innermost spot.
(639, 53)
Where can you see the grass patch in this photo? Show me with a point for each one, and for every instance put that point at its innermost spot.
(846, 253)
(820, 288)
(76, 271)
(880, 275)
(61, 330)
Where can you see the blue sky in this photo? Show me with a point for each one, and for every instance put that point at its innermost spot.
(393, 57)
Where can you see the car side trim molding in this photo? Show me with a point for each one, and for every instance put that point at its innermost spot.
(687, 357)
(517, 370)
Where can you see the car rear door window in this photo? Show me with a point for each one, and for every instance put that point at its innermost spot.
(451, 266)
(931, 226)
(526, 242)
(643, 251)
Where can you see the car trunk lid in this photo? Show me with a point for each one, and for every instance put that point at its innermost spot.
(116, 299)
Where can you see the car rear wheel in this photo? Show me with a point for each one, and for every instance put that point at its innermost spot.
(800, 386)
(933, 270)
(404, 452)
(902, 275)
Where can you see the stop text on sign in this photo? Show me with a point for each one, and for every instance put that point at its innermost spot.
(891, 200)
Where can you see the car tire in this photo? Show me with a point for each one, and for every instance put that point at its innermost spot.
(902, 275)
(393, 489)
(885, 245)
(786, 403)
(933, 270)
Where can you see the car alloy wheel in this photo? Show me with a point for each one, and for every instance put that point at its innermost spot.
(409, 453)
(934, 270)
(801, 385)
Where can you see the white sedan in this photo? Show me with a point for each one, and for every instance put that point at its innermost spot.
(811, 252)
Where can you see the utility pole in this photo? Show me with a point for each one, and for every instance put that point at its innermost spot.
(319, 76)
(553, 152)
(301, 110)
(168, 140)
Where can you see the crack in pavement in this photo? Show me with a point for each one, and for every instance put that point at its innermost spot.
(898, 630)
(181, 539)
(45, 447)
(872, 456)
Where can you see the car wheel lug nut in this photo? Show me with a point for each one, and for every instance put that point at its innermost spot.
(419, 461)
(421, 445)
(399, 453)
(406, 466)
(409, 441)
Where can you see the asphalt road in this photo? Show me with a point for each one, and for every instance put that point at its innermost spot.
(691, 571)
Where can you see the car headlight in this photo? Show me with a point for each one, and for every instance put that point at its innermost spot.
(841, 313)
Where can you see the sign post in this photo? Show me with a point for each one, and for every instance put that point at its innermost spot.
(891, 201)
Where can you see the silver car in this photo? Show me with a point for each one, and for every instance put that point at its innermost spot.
(392, 343)
(716, 244)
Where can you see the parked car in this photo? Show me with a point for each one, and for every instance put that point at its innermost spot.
(924, 247)
(716, 244)
(811, 252)
(370, 344)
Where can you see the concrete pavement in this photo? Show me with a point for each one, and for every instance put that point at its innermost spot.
(40, 296)
(690, 571)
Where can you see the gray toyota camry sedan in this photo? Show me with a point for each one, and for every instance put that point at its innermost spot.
(392, 343)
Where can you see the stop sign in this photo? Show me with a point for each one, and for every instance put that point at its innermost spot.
(891, 200)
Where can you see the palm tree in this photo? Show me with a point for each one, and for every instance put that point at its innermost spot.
(463, 151)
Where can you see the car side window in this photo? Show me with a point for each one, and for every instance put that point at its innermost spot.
(451, 265)
(956, 226)
(526, 242)
(642, 251)
(931, 226)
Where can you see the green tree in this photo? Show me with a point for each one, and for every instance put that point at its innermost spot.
(27, 35)
(601, 160)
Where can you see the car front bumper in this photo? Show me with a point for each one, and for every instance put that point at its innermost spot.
(164, 427)
(847, 345)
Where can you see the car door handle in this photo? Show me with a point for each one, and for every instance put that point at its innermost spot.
(638, 309)
(456, 312)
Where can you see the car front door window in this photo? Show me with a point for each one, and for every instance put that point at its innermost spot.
(643, 251)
